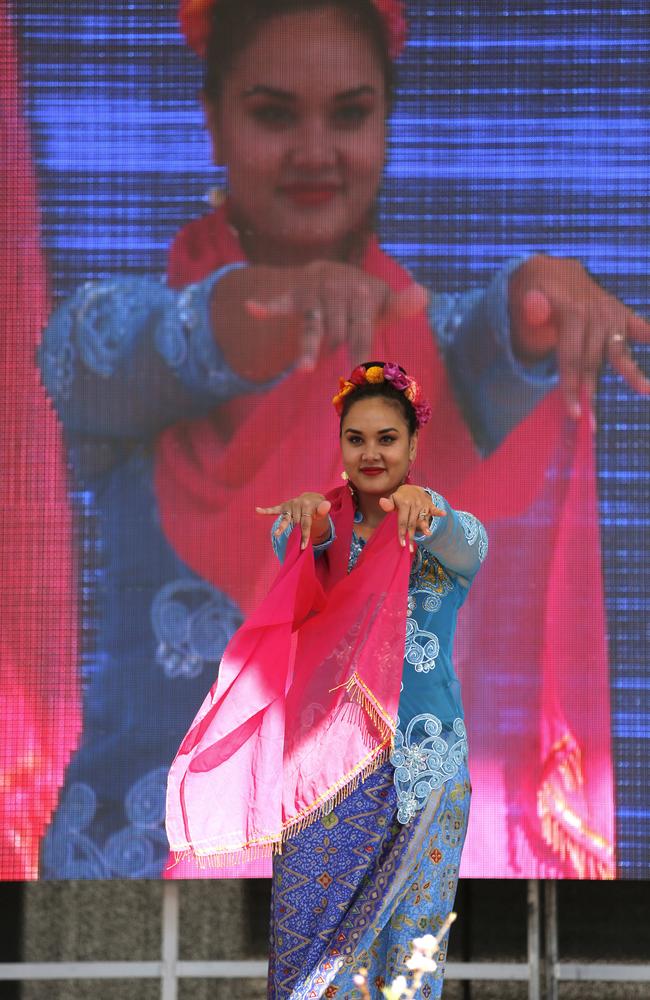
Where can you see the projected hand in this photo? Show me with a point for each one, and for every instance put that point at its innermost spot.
(339, 304)
(309, 510)
(555, 305)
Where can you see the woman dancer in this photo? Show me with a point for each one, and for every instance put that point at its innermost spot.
(182, 410)
(367, 866)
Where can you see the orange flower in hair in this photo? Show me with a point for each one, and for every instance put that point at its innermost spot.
(345, 387)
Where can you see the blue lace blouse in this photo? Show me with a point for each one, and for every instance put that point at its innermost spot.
(431, 741)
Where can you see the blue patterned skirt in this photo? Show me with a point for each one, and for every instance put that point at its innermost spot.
(357, 886)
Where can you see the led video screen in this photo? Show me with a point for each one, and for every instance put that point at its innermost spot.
(133, 451)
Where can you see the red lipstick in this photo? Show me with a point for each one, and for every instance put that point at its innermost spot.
(311, 195)
(372, 471)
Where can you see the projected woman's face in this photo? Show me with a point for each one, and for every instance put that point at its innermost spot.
(300, 126)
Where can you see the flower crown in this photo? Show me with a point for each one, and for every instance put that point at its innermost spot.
(387, 371)
(195, 21)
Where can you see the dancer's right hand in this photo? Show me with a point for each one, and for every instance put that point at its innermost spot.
(309, 511)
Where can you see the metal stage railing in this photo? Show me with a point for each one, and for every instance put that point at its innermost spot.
(543, 971)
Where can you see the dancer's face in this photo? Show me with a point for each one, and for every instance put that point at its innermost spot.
(376, 447)
(300, 126)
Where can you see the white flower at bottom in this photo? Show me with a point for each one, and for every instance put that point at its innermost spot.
(427, 943)
(399, 986)
(421, 963)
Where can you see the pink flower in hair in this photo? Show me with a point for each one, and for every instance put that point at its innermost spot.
(394, 375)
(422, 413)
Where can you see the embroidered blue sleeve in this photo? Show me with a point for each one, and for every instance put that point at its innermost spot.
(280, 543)
(129, 356)
(494, 389)
(458, 541)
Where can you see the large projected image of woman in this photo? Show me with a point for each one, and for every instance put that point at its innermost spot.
(186, 406)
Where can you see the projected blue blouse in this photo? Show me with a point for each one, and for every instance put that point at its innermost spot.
(123, 359)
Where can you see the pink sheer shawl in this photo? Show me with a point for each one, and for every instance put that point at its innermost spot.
(526, 649)
(305, 702)
(39, 697)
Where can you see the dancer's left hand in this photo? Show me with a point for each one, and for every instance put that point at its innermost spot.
(414, 512)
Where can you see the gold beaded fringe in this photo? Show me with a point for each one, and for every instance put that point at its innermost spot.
(568, 837)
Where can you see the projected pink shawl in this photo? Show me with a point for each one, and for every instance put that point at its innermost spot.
(543, 788)
(39, 703)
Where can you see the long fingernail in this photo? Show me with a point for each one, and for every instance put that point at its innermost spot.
(402, 542)
(575, 410)
(593, 423)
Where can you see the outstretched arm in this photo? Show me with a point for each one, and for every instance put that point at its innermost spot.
(541, 322)
(458, 540)
(129, 356)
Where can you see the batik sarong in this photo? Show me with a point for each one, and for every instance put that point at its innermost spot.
(354, 888)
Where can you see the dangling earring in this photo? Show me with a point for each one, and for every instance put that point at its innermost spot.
(216, 196)
(353, 492)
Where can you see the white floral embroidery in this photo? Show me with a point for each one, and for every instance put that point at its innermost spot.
(72, 847)
(422, 647)
(482, 542)
(474, 530)
(192, 622)
(470, 526)
(421, 767)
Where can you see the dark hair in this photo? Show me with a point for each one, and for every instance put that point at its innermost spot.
(384, 390)
(236, 22)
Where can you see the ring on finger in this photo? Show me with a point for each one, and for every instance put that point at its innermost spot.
(616, 339)
(423, 515)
